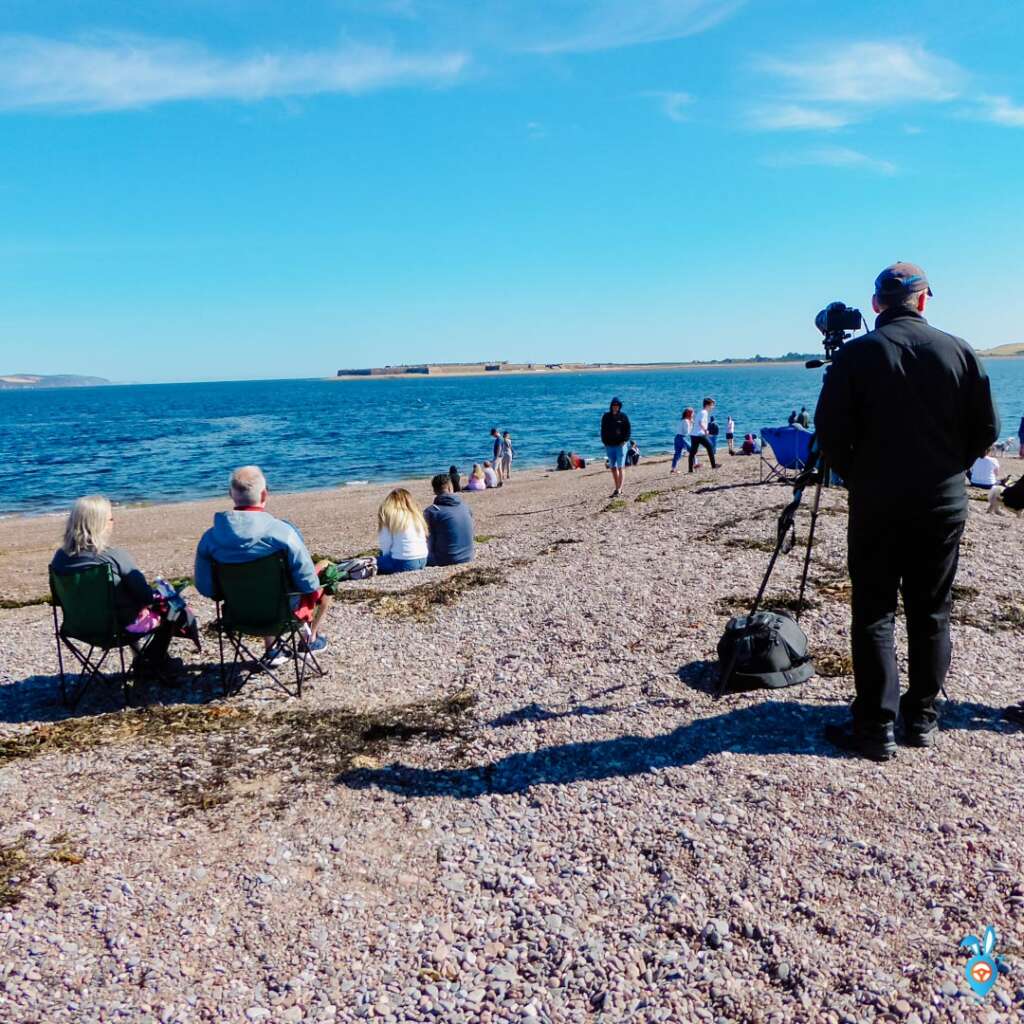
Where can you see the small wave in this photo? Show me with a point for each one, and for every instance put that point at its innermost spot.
(357, 483)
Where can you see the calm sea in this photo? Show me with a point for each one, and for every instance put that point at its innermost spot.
(165, 442)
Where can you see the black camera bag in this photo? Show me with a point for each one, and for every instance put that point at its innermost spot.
(764, 649)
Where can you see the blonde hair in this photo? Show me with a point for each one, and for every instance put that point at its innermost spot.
(88, 525)
(477, 471)
(398, 513)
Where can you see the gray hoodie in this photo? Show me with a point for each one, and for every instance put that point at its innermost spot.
(245, 536)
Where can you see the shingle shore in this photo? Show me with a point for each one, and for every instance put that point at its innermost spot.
(581, 834)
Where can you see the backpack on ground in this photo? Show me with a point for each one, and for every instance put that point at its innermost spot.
(766, 649)
(349, 569)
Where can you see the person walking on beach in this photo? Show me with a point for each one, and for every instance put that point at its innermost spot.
(699, 439)
(683, 432)
(730, 435)
(507, 454)
(615, 435)
(904, 530)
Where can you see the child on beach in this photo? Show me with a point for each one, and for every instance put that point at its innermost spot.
(402, 534)
(507, 454)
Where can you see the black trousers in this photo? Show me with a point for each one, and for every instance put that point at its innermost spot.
(697, 440)
(918, 559)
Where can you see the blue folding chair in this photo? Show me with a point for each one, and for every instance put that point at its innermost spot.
(789, 455)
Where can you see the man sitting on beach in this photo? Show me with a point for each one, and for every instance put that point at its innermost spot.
(450, 526)
(248, 533)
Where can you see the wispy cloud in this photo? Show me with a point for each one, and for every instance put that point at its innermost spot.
(118, 72)
(582, 26)
(870, 73)
(1002, 110)
(674, 105)
(795, 117)
(832, 156)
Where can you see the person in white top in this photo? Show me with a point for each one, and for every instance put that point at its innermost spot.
(985, 471)
(402, 535)
(491, 478)
(683, 431)
(699, 438)
(730, 434)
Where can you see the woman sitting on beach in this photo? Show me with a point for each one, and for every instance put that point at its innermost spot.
(86, 536)
(456, 479)
(491, 478)
(403, 534)
(476, 480)
(683, 431)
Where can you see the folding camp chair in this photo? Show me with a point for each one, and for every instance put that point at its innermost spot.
(89, 619)
(790, 453)
(253, 600)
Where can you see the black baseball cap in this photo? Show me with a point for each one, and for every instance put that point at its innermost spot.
(901, 279)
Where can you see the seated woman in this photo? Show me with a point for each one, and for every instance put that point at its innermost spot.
(491, 476)
(402, 534)
(985, 471)
(456, 479)
(476, 480)
(578, 462)
(633, 454)
(86, 536)
(563, 461)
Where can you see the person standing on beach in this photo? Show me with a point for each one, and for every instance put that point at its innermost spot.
(507, 454)
(496, 454)
(904, 529)
(615, 435)
(730, 435)
(1020, 438)
(699, 439)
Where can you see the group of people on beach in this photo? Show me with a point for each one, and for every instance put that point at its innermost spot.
(490, 473)
(409, 539)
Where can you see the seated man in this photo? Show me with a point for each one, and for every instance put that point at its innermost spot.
(450, 525)
(248, 533)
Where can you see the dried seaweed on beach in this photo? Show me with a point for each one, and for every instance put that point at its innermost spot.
(420, 602)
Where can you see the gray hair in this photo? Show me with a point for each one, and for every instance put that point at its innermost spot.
(908, 301)
(88, 525)
(247, 485)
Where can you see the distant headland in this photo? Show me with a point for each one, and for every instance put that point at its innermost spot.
(24, 381)
(506, 368)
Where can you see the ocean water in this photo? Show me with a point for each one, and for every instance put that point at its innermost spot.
(168, 442)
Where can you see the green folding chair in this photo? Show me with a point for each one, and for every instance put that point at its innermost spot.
(253, 600)
(88, 627)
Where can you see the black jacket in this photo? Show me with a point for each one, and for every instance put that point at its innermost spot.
(615, 428)
(903, 413)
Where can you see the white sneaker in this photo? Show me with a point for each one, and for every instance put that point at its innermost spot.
(274, 658)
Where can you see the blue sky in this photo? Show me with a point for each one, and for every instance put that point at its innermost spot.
(213, 189)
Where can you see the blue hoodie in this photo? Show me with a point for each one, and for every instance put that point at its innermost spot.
(245, 536)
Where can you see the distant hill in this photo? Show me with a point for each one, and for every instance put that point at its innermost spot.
(1004, 350)
(22, 381)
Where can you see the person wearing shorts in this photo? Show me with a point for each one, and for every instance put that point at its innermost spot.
(615, 435)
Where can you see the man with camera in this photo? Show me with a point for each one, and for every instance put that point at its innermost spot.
(904, 529)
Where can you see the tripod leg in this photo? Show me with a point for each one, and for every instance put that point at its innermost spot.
(823, 470)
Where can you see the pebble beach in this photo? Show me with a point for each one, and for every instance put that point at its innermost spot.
(512, 796)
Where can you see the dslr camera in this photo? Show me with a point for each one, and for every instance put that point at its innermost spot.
(837, 321)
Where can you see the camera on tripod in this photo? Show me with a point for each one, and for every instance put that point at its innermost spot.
(837, 321)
